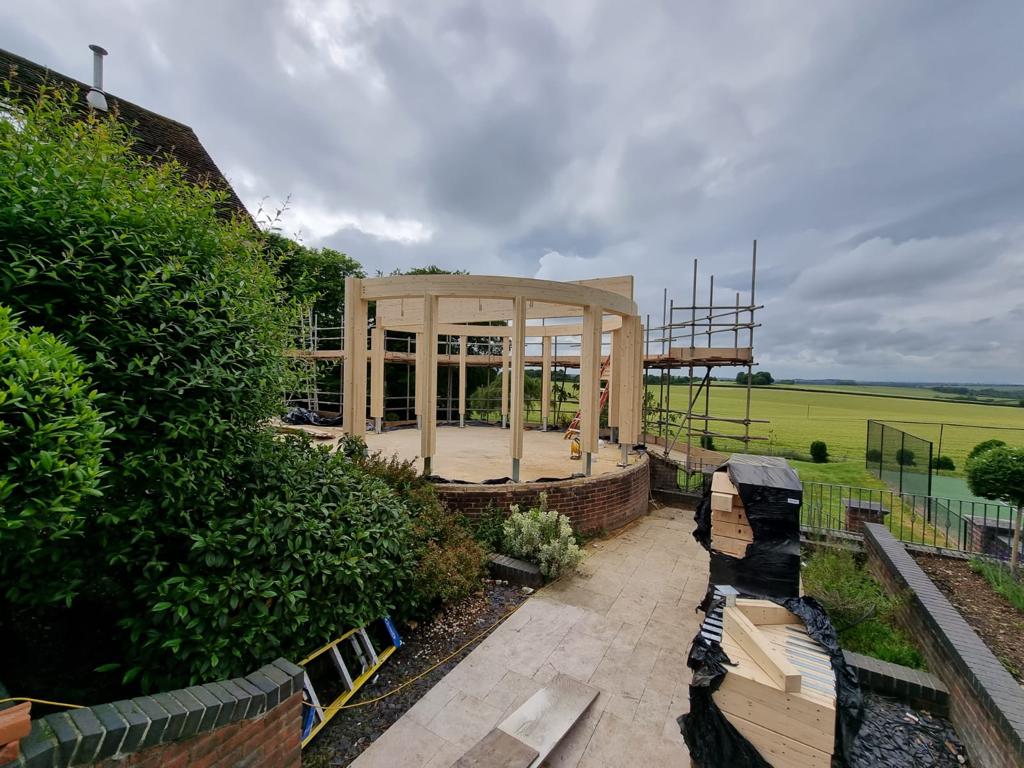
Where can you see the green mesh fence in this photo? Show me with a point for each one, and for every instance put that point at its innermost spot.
(901, 460)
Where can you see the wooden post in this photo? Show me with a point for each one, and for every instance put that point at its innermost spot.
(354, 408)
(545, 382)
(377, 376)
(463, 344)
(615, 381)
(627, 362)
(506, 351)
(428, 391)
(518, 366)
(418, 394)
(590, 386)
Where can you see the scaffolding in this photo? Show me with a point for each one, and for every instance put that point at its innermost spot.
(685, 340)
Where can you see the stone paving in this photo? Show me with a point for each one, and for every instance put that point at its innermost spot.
(622, 623)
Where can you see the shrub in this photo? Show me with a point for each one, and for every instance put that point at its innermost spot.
(449, 562)
(985, 445)
(544, 537)
(51, 445)
(943, 462)
(707, 442)
(300, 544)
(488, 529)
(175, 311)
(819, 452)
(905, 457)
(873, 455)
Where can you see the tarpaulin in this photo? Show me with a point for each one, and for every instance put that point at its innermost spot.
(712, 740)
(306, 416)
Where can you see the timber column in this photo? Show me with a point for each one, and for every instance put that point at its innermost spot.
(545, 382)
(590, 385)
(463, 343)
(354, 406)
(428, 390)
(518, 344)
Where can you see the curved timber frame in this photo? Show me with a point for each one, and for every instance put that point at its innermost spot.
(454, 305)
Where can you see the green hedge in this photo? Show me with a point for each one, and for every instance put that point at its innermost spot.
(51, 444)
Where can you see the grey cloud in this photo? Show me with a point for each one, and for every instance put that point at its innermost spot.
(874, 150)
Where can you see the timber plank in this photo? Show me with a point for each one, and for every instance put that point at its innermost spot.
(731, 530)
(727, 546)
(743, 633)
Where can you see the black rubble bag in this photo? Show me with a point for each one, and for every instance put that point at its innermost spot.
(306, 416)
(712, 740)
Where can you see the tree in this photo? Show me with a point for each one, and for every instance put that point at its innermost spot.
(819, 452)
(998, 474)
(983, 446)
(759, 379)
(312, 278)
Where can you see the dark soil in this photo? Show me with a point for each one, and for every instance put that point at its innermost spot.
(999, 624)
(894, 735)
(353, 730)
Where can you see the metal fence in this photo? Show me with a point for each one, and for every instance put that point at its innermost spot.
(901, 460)
(957, 524)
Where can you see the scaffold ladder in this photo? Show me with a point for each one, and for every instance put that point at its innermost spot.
(574, 425)
(357, 645)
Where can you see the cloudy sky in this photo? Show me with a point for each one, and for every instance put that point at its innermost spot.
(874, 149)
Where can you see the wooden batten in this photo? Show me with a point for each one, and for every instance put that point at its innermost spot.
(745, 634)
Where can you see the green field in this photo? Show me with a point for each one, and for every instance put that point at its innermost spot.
(798, 417)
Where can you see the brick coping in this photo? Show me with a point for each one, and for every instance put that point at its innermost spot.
(82, 736)
(994, 686)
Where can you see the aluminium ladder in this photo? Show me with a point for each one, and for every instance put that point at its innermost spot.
(357, 644)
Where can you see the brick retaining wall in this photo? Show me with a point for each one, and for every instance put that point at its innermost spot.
(250, 721)
(598, 503)
(986, 704)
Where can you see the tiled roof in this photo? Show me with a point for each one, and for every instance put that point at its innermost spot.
(155, 136)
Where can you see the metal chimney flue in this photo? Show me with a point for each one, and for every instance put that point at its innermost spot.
(95, 97)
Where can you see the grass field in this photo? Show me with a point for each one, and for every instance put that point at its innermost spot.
(799, 417)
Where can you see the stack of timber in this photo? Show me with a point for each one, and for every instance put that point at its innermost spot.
(731, 533)
(750, 523)
(780, 692)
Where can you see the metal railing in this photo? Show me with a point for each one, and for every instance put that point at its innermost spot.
(957, 524)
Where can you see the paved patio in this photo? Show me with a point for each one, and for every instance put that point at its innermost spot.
(623, 624)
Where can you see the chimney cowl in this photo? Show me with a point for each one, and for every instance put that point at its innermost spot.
(95, 96)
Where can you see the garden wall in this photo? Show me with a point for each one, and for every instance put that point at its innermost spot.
(250, 721)
(598, 503)
(986, 704)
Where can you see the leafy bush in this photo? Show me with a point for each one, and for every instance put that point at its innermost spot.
(51, 446)
(544, 537)
(985, 445)
(300, 544)
(489, 530)
(449, 562)
(873, 455)
(707, 442)
(819, 452)
(943, 462)
(905, 457)
(176, 313)
(859, 608)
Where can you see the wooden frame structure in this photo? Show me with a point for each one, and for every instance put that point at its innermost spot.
(456, 305)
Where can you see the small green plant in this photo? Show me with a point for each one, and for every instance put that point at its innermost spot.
(1002, 581)
(819, 452)
(542, 536)
(488, 529)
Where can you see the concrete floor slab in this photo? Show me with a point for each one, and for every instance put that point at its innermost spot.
(623, 625)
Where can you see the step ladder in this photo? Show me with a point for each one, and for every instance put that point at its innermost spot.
(357, 646)
(574, 425)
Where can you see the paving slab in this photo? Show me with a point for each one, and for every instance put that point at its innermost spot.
(622, 625)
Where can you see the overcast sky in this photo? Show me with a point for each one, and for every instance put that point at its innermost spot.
(874, 149)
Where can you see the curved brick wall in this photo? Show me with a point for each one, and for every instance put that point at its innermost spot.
(602, 502)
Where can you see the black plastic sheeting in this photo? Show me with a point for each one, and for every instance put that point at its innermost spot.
(713, 741)
(896, 736)
(500, 480)
(306, 416)
(772, 495)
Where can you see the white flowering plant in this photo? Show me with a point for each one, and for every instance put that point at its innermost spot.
(542, 536)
